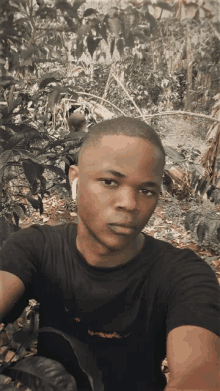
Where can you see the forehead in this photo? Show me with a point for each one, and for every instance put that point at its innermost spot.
(120, 151)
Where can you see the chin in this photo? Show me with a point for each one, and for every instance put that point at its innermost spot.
(115, 243)
(115, 246)
(112, 242)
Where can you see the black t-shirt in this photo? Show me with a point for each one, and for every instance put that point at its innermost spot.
(120, 316)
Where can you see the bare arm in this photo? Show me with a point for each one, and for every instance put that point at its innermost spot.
(193, 355)
(11, 289)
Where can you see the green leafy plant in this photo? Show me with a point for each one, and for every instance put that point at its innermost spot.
(42, 373)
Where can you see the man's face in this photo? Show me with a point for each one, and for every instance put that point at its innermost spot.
(119, 183)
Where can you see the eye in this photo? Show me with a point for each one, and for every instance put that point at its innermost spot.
(145, 191)
(109, 182)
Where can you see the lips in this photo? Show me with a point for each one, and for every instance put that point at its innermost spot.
(122, 228)
(123, 225)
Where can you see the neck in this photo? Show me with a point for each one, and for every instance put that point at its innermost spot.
(102, 257)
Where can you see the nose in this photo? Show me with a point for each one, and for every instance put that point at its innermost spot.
(127, 199)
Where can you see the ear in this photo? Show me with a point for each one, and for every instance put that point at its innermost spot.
(73, 173)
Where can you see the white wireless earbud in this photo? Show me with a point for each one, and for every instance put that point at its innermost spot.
(74, 189)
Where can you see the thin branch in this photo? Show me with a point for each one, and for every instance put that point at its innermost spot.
(179, 112)
(129, 96)
(98, 97)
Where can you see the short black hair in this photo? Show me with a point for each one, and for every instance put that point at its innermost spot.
(127, 126)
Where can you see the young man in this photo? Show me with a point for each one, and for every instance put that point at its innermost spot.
(127, 299)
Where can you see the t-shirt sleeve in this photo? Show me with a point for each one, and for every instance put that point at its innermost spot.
(21, 255)
(193, 294)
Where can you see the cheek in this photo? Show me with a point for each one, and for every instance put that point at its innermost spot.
(93, 197)
(98, 194)
(147, 208)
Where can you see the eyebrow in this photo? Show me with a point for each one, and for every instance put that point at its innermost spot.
(120, 175)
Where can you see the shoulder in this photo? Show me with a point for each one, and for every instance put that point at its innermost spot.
(172, 261)
(48, 231)
(37, 237)
(160, 249)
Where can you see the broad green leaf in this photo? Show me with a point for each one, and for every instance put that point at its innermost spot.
(83, 30)
(16, 208)
(89, 11)
(29, 155)
(115, 26)
(33, 171)
(30, 171)
(22, 207)
(41, 205)
(120, 46)
(85, 358)
(53, 98)
(2, 170)
(27, 53)
(34, 203)
(147, 2)
(151, 19)
(40, 373)
(6, 84)
(12, 126)
(48, 156)
(94, 23)
(113, 12)
(5, 157)
(63, 5)
(4, 135)
(101, 54)
(126, 25)
(34, 187)
(24, 337)
(92, 44)
(72, 14)
(112, 46)
(43, 183)
(79, 50)
(77, 4)
(71, 23)
(15, 104)
(30, 132)
(39, 168)
(141, 36)
(130, 41)
(14, 140)
(103, 32)
(43, 83)
(164, 5)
